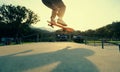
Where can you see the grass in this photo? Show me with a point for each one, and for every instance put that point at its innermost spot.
(115, 42)
(97, 41)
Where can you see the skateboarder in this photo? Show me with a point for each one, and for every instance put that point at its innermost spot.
(58, 10)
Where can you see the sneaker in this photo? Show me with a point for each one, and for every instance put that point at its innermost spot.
(61, 22)
(53, 22)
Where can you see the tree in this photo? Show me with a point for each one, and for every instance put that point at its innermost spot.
(89, 32)
(115, 30)
(15, 19)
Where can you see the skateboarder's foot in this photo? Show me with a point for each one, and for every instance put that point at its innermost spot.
(53, 22)
(60, 21)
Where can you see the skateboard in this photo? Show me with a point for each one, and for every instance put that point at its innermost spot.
(65, 28)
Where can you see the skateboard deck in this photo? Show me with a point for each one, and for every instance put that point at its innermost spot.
(65, 28)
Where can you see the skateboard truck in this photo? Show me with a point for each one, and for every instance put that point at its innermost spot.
(51, 25)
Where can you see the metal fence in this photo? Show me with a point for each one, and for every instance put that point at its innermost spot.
(102, 42)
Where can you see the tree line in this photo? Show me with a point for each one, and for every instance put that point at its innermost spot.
(110, 31)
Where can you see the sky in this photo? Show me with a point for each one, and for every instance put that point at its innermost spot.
(80, 14)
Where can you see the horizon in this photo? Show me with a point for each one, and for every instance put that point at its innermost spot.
(80, 15)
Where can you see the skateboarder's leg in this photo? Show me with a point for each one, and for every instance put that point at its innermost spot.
(50, 4)
(60, 16)
(54, 14)
(61, 12)
(58, 9)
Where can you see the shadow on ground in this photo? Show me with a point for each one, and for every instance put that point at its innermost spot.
(71, 60)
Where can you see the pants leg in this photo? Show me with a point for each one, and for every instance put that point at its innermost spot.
(62, 9)
(57, 6)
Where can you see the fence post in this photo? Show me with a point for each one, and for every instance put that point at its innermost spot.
(37, 38)
(119, 47)
(94, 43)
(85, 41)
(102, 43)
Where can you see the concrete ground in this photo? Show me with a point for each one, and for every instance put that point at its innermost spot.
(58, 57)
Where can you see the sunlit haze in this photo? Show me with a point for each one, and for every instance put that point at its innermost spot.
(80, 14)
